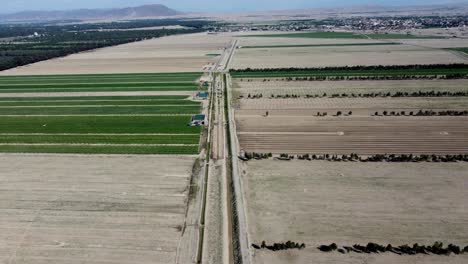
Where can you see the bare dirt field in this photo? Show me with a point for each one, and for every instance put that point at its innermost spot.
(303, 57)
(293, 127)
(182, 53)
(346, 135)
(92, 209)
(355, 203)
(258, 86)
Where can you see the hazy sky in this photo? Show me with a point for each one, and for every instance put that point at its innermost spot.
(9, 6)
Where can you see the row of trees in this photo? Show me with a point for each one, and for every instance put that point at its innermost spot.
(423, 113)
(437, 248)
(362, 95)
(280, 246)
(353, 157)
(359, 68)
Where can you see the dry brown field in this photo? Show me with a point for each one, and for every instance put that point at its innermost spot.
(303, 57)
(93, 209)
(293, 127)
(182, 53)
(319, 202)
(278, 87)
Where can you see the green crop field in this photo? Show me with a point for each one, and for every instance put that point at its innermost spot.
(321, 45)
(349, 35)
(349, 72)
(99, 124)
(100, 83)
(463, 50)
(90, 149)
(400, 36)
(341, 35)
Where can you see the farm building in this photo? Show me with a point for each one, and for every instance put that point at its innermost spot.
(202, 95)
(198, 120)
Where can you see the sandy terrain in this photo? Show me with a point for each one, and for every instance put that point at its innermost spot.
(346, 203)
(182, 53)
(257, 86)
(92, 209)
(341, 56)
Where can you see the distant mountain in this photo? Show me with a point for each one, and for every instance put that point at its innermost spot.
(146, 11)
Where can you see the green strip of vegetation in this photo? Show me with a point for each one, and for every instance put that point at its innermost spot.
(213, 54)
(83, 149)
(348, 35)
(97, 85)
(98, 124)
(322, 45)
(126, 89)
(95, 98)
(463, 50)
(436, 69)
(91, 76)
(98, 110)
(100, 139)
(400, 36)
(101, 103)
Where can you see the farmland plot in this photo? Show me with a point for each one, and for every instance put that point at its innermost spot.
(183, 53)
(258, 86)
(319, 202)
(92, 209)
(79, 118)
(303, 57)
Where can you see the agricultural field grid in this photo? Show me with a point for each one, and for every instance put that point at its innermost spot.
(76, 120)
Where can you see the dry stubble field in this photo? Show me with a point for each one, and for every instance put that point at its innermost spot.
(92, 209)
(303, 57)
(181, 53)
(319, 202)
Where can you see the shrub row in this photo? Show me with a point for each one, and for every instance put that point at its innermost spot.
(382, 77)
(424, 113)
(363, 95)
(280, 246)
(437, 248)
(361, 158)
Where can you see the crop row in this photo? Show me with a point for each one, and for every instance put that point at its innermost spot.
(97, 124)
(79, 103)
(103, 89)
(101, 110)
(99, 139)
(86, 149)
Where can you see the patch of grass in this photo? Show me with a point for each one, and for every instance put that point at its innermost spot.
(98, 124)
(322, 45)
(349, 35)
(101, 139)
(463, 50)
(83, 149)
(96, 85)
(213, 54)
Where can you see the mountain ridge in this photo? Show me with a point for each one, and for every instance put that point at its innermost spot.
(155, 10)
